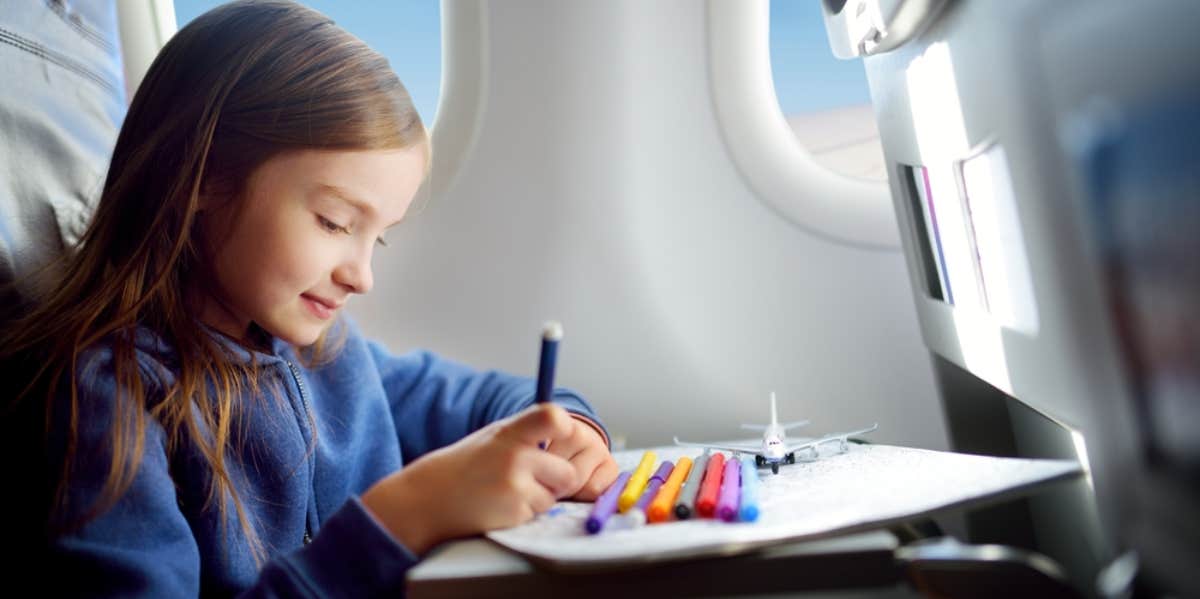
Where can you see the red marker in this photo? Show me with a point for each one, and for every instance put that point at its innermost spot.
(706, 500)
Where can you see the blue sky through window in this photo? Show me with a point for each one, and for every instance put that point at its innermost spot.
(407, 32)
(807, 76)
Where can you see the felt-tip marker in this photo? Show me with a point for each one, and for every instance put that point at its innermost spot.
(686, 503)
(748, 512)
(706, 500)
(637, 482)
(660, 508)
(605, 505)
(652, 488)
(731, 491)
(552, 333)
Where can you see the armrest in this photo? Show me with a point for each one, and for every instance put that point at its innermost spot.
(944, 567)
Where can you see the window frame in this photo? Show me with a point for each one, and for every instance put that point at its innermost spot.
(775, 165)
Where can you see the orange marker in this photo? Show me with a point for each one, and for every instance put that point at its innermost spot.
(661, 506)
(706, 500)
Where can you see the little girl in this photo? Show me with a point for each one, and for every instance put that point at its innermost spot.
(211, 424)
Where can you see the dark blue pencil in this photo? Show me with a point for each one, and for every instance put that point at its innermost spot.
(551, 334)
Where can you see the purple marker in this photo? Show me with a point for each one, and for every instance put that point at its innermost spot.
(638, 511)
(606, 504)
(731, 489)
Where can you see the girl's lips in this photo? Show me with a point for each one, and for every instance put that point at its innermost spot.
(320, 308)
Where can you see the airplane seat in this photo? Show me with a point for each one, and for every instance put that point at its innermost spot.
(61, 107)
(1056, 144)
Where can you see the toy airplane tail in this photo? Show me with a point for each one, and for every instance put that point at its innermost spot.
(774, 420)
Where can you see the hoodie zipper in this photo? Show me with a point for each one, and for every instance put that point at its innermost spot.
(311, 465)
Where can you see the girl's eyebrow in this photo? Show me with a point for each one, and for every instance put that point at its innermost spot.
(346, 197)
(349, 198)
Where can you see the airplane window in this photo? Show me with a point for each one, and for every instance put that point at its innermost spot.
(408, 33)
(824, 99)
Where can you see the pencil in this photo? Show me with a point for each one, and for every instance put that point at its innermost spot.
(551, 334)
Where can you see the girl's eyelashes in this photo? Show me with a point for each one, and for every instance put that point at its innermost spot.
(333, 227)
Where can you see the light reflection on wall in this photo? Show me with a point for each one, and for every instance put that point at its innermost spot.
(941, 136)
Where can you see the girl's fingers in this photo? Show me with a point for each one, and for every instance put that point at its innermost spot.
(538, 498)
(585, 463)
(571, 447)
(553, 473)
(583, 438)
(600, 477)
(543, 422)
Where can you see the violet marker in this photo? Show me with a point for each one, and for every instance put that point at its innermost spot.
(731, 490)
(551, 334)
(606, 505)
(638, 512)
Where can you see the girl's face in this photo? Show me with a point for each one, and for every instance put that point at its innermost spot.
(299, 243)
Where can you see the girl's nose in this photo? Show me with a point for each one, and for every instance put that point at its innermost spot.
(355, 275)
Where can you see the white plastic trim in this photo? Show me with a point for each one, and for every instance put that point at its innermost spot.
(145, 27)
(165, 24)
(775, 165)
(459, 112)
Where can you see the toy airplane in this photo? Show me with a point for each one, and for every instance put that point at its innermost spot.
(774, 448)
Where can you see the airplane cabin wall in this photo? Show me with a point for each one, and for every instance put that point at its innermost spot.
(584, 178)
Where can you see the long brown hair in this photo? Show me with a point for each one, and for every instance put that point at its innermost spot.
(238, 85)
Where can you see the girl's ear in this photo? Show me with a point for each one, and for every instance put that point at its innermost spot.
(216, 193)
(210, 197)
(209, 200)
(207, 203)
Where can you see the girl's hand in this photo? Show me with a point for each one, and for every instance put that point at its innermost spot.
(586, 450)
(493, 478)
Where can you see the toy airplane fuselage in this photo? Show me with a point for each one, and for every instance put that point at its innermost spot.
(774, 449)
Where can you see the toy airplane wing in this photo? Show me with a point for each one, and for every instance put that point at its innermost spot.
(787, 426)
(750, 448)
(812, 443)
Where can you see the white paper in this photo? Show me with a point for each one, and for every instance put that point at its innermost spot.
(868, 486)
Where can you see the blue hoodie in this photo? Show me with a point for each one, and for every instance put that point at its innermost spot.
(372, 411)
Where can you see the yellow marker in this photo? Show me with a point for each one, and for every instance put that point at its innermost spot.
(660, 508)
(637, 482)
